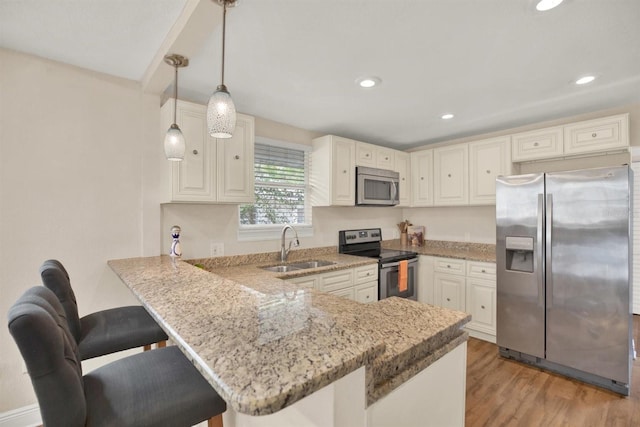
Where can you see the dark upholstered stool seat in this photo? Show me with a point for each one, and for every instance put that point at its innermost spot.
(103, 332)
(159, 387)
(117, 329)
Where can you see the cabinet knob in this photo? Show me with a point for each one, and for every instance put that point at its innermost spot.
(448, 299)
(422, 178)
(367, 296)
(482, 307)
(195, 152)
(488, 171)
(449, 175)
(236, 157)
(535, 144)
(448, 266)
(483, 270)
(344, 171)
(593, 135)
(366, 155)
(403, 178)
(386, 158)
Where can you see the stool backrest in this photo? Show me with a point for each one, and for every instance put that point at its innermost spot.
(38, 325)
(55, 277)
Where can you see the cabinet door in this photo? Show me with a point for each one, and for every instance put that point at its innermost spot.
(385, 158)
(365, 155)
(344, 175)
(481, 304)
(425, 279)
(451, 175)
(537, 144)
(367, 292)
(365, 274)
(449, 291)
(608, 133)
(422, 178)
(403, 166)
(487, 159)
(193, 179)
(235, 163)
(334, 280)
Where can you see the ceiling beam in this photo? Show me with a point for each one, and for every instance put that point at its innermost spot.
(197, 20)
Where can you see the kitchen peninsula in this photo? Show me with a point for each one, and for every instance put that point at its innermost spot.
(304, 356)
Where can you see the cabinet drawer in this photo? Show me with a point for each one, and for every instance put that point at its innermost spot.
(537, 144)
(307, 282)
(450, 266)
(366, 273)
(335, 280)
(481, 270)
(367, 292)
(608, 133)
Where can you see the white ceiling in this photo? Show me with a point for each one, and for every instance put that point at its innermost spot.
(495, 64)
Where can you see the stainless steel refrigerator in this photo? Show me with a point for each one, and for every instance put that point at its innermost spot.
(563, 253)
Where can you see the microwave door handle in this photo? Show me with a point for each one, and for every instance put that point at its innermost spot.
(394, 194)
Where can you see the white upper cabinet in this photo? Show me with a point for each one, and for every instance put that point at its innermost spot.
(403, 166)
(333, 171)
(451, 175)
(422, 178)
(488, 159)
(374, 156)
(210, 171)
(537, 144)
(608, 133)
(235, 163)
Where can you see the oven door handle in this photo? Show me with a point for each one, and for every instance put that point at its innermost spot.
(397, 263)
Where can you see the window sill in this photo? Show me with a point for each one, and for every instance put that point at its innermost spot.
(271, 232)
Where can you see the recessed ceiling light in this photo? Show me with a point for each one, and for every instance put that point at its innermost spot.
(447, 116)
(368, 82)
(544, 5)
(584, 80)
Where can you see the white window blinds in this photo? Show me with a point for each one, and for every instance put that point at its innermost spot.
(281, 180)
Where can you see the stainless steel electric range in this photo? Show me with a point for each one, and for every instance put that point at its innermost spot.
(368, 243)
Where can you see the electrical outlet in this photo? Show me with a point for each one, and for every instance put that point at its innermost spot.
(217, 249)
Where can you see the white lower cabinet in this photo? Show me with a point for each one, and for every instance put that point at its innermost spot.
(468, 286)
(358, 284)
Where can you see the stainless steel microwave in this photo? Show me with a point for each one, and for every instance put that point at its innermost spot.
(376, 187)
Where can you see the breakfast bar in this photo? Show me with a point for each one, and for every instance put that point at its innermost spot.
(279, 352)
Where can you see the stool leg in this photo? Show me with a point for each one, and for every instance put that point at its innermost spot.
(161, 344)
(215, 421)
(147, 347)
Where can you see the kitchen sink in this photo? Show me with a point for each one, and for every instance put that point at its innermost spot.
(281, 268)
(312, 264)
(298, 266)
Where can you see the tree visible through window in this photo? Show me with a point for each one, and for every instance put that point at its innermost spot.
(280, 186)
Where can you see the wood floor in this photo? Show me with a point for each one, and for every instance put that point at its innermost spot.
(502, 392)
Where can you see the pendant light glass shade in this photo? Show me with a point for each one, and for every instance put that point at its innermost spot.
(174, 144)
(221, 114)
(221, 111)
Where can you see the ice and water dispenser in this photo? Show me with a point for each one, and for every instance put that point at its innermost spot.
(519, 254)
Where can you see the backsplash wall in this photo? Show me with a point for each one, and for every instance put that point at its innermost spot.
(205, 223)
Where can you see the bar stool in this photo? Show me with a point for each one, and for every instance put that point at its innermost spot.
(106, 331)
(154, 388)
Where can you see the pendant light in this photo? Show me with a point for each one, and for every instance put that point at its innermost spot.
(174, 144)
(221, 112)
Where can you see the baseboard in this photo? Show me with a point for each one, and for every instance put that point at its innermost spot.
(27, 416)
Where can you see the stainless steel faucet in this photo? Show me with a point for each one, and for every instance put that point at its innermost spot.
(285, 252)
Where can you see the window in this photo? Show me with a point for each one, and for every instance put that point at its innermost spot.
(281, 184)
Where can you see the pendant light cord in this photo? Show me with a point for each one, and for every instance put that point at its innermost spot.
(224, 24)
(175, 95)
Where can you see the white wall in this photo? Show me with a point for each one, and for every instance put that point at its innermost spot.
(76, 148)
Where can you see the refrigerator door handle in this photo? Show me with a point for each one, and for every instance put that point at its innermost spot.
(539, 250)
(547, 250)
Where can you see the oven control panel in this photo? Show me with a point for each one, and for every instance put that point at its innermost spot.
(350, 237)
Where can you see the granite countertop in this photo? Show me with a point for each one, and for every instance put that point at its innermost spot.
(264, 343)
(461, 250)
